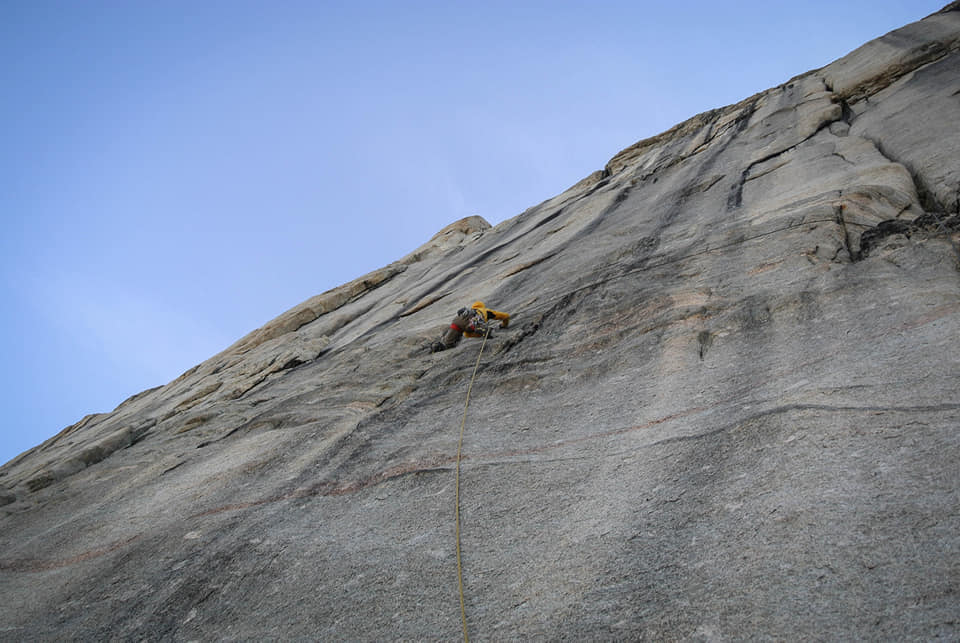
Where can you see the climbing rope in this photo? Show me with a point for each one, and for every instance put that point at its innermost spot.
(463, 423)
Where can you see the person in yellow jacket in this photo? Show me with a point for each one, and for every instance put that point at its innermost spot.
(472, 322)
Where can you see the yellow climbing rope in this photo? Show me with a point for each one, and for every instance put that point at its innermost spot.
(463, 423)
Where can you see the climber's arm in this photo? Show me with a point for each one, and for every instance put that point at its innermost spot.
(503, 318)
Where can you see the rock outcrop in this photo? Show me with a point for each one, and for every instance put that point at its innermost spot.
(726, 408)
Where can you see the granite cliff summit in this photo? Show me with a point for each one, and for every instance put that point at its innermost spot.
(726, 408)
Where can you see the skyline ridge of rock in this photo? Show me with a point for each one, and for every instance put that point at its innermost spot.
(725, 408)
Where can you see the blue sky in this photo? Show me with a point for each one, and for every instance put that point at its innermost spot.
(175, 174)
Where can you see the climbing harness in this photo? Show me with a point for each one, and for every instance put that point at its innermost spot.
(478, 325)
(463, 423)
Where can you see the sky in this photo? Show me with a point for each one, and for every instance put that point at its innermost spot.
(175, 174)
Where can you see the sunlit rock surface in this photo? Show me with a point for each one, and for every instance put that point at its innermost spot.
(726, 407)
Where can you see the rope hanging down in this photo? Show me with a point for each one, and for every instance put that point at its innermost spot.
(463, 423)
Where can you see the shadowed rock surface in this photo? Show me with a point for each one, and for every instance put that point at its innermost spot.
(726, 408)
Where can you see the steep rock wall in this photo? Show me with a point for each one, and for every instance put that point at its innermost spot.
(726, 407)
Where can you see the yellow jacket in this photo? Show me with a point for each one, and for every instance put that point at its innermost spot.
(488, 314)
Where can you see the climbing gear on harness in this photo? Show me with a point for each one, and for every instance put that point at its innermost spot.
(477, 325)
(486, 314)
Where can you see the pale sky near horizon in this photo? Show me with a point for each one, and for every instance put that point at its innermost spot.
(175, 174)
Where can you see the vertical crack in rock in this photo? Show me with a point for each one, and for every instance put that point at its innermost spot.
(928, 201)
(705, 341)
(852, 254)
(735, 199)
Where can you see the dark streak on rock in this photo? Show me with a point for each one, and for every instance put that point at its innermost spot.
(33, 565)
(439, 463)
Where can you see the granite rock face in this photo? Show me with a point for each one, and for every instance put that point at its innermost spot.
(726, 408)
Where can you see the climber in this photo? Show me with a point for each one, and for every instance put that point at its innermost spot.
(472, 322)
